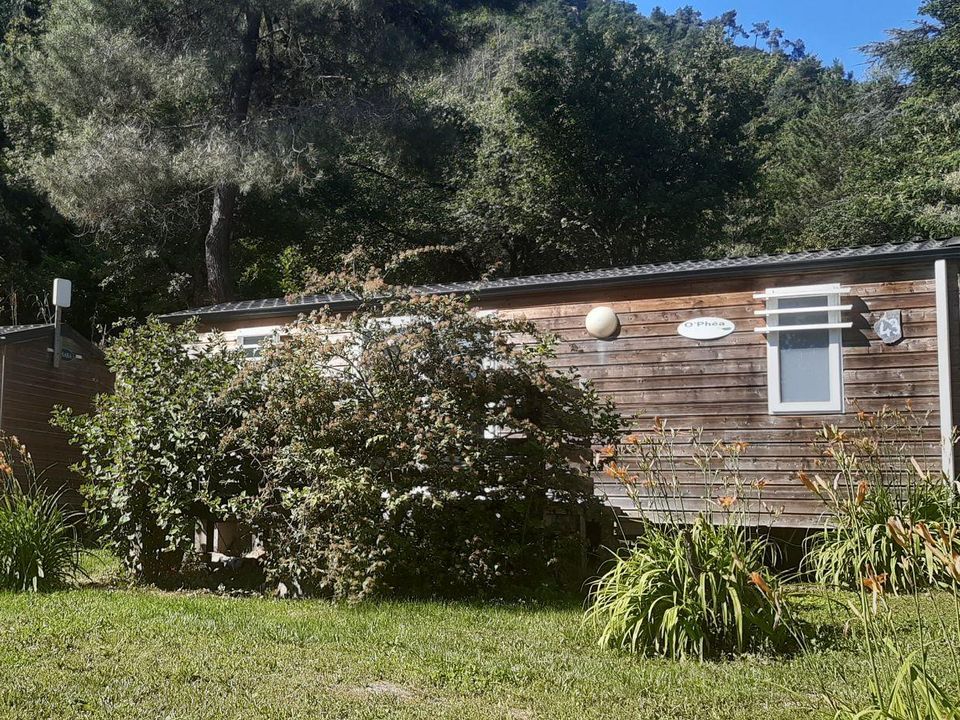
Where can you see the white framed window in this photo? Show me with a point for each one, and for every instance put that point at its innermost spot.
(387, 322)
(250, 340)
(493, 429)
(804, 329)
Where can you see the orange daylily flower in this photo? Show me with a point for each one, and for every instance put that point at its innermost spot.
(862, 489)
(757, 579)
(807, 482)
(726, 501)
(618, 472)
(875, 584)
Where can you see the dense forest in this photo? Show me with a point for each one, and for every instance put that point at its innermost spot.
(166, 153)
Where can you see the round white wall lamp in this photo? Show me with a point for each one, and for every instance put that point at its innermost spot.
(602, 322)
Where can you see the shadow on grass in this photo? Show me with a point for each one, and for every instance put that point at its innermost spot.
(822, 619)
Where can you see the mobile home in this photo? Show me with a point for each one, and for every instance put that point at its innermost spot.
(760, 349)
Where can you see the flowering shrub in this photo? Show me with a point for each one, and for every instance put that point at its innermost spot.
(689, 592)
(416, 447)
(151, 448)
(694, 582)
(865, 477)
(39, 549)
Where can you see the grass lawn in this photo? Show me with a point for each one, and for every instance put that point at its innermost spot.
(118, 653)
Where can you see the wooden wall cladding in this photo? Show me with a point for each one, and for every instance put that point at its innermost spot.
(32, 387)
(721, 385)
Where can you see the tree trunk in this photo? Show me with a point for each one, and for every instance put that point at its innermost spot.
(222, 215)
(217, 243)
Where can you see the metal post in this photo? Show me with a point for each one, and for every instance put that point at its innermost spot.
(942, 280)
(57, 340)
(3, 382)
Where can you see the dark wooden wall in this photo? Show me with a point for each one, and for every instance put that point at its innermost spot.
(32, 387)
(721, 385)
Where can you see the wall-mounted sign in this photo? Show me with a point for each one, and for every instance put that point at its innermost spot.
(705, 328)
(889, 327)
(67, 354)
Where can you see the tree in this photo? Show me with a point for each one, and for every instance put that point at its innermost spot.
(848, 163)
(211, 148)
(199, 105)
(927, 121)
(827, 167)
(929, 52)
(602, 151)
(36, 243)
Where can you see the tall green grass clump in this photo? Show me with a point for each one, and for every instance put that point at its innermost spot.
(864, 477)
(39, 549)
(694, 583)
(890, 526)
(906, 681)
(687, 592)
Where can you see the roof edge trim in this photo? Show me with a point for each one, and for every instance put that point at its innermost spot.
(946, 249)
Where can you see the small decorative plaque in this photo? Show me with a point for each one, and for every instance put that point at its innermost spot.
(705, 328)
(889, 327)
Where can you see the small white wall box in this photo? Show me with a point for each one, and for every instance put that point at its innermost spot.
(62, 292)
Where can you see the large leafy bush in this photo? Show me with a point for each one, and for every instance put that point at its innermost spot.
(152, 462)
(39, 549)
(416, 447)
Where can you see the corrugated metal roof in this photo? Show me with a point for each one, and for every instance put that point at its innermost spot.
(11, 334)
(14, 329)
(635, 274)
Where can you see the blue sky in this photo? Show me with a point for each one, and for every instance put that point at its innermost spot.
(830, 28)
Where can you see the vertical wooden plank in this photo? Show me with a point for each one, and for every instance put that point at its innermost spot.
(944, 334)
(3, 381)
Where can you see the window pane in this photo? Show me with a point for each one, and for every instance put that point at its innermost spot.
(808, 318)
(805, 365)
(251, 345)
